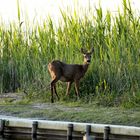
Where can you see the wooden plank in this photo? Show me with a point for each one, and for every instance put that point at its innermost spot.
(69, 131)
(125, 130)
(34, 129)
(106, 133)
(79, 127)
(2, 127)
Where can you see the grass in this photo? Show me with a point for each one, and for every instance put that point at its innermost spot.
(113, 76)
(65, 112)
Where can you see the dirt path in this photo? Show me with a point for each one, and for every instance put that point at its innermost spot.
(9, 106)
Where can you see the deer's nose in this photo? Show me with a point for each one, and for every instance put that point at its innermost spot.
(88, 61)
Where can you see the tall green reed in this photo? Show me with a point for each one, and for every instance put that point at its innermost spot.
(115, 67)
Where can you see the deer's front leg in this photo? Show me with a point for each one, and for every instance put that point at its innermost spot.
(77, 88)
(68, 88)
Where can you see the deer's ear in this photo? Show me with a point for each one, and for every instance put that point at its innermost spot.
(92, 50)
(83, 51)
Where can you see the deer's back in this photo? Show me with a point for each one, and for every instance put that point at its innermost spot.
(65, 72)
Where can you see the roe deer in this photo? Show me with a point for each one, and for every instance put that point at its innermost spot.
(68, 73)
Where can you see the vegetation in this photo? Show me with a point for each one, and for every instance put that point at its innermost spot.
(113, 77)
(88, 113)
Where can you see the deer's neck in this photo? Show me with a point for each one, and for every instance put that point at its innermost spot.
(85, 67)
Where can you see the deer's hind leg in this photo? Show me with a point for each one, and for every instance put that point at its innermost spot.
(55, 72)
(56, 92)
(53, 89)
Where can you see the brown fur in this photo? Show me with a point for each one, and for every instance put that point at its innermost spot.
(68, 73)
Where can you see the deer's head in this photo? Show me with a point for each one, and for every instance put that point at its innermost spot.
(87, 55)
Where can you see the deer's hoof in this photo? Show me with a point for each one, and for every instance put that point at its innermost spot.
(78, 98)
(52, 101)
